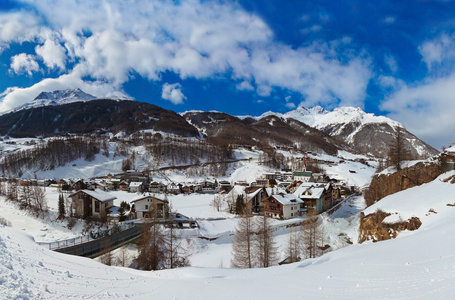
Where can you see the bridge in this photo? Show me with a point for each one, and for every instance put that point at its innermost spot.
(95, 244)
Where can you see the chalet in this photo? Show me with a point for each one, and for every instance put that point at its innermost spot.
(79, 185)
(254, 197)
(316, 197)
(135, 187)
(108, 184)
(305, 176)
(283, 206)
(173, 188)
(123, 186)
(89, 203)
(188, 189)
(156, 187)
(147, 206)
(260, 182)
(208, 187)
(223, 185)
(94, 185)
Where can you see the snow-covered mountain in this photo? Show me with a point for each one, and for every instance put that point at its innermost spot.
(57, 97)
(365, 132)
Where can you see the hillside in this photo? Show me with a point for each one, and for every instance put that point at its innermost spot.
(418, 265)
(94, 116)
(271, 130)
(364, 132)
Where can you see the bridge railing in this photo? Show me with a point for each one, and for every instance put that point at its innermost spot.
(86, 238)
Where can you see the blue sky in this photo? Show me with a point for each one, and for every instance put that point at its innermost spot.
(393, 58)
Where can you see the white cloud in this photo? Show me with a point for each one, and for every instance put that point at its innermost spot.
(391, 62)
(173, 93)
(24, 63)
(290, 105)
(439, 50)
(427, 109)
(389, 20)
(15, 96)
(53, 54)
(192, 38)
(245, 86)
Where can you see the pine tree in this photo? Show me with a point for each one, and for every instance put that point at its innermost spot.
(61, 207)
(265, 248)
(239, 204)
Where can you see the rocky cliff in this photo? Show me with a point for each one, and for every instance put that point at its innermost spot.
(372, 227)
(386, 184)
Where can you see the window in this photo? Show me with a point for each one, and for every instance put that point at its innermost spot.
(97, 206)
(146, 207)
(292, 208)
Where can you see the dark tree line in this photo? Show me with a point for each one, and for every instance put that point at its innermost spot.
(51, 154)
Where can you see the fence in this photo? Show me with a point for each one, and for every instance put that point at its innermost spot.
(103, 245)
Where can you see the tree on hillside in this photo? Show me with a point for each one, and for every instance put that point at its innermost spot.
(175, 253)
(61, 207)
(312, 236)
(294, 244)
(265, 248)
(239, 204)
(151, 248)
(398, 152)
(243, 243)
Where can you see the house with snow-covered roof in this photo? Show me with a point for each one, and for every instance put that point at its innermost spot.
(317, 197)
(135, 187)
(304, 176)
(283, 206)
(148, 206)
(87, 203)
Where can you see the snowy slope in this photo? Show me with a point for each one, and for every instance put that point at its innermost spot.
(320, 118)
(418, 265)
(57, 97)
(365, 132)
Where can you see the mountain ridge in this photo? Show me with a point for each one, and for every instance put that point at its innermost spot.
(340, 128)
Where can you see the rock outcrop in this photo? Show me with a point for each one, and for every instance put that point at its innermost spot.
(386, 184)
(373, 228)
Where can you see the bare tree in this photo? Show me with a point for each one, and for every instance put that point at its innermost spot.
(151, 247)
(217, 201)
(107, 257)
(39, 198)
(294, 244)
(123, 256)
(265, 248)
(311, 235)
(398, 152)
(176, 256)
(243, 244)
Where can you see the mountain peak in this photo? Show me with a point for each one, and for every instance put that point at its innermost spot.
(57, 97)
(76, 93)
